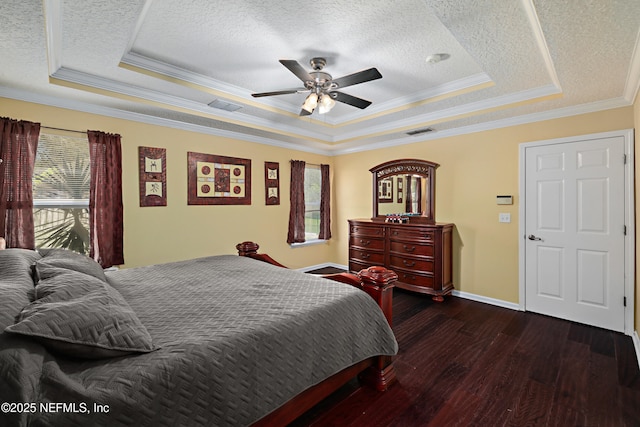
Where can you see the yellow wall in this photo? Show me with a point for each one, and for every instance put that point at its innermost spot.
(473, 170)
(178, 231)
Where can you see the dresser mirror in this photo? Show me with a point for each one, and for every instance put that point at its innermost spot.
(404, 190)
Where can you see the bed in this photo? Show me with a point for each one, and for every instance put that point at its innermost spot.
(215, 341)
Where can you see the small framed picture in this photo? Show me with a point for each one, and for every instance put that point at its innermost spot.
(218, 180)
(152, 175)
(272, 183)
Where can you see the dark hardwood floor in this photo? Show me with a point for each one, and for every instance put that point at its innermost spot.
(464, 363)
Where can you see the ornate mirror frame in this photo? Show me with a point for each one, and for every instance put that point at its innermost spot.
(403, 167)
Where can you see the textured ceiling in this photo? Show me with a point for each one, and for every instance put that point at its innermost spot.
(163, 62)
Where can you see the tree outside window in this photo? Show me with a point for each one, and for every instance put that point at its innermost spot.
(61, 193)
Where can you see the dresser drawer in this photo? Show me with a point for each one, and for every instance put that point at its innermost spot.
(355, 266)
(366, 242)
(411, 234)
(409, 248)
(414, 279)
(420, 265)
(371, 231)
(369, 257)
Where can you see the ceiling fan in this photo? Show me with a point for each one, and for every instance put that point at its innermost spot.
(322, 87)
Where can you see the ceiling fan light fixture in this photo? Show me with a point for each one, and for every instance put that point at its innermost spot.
(310, 103)
(321, 86)
(326, 103)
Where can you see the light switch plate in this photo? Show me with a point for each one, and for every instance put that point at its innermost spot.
(504, 217)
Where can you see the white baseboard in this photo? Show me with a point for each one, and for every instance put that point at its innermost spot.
(486, 300)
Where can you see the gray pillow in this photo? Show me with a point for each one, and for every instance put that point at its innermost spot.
(80, 316)
(16, 284)
(63, 258)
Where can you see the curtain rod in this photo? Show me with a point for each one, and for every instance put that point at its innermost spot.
(306, 163)
(65, 130)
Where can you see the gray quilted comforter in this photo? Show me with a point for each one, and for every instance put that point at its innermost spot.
(237, 339)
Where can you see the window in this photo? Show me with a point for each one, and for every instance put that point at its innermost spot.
(312, 193)
(61, 188)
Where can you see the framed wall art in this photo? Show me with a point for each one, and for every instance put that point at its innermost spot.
(399, 189)
(152, 175)
(272, 183)
(218, 180)
(385, 190)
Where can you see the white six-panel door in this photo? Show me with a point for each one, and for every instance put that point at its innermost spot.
(574, 223)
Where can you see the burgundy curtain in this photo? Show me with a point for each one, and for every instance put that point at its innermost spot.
(105, 199)
(18, 146)
(296, 197)
(325, 203)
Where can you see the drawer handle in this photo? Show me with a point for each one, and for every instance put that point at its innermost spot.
(409, 276)
(408, 263)
(395, 233)
(365, 242)
(364, 255)
(408, 248)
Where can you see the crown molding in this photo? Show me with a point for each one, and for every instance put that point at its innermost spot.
(53, 30)
(241, 119)
(632, 85)
(558, 113)
(53, 101)
(179, 103)
(317, 148)
(457, 111)
(538, 34)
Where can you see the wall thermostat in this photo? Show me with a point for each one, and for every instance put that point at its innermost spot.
(504, 200)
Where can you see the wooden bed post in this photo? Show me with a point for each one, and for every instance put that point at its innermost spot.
(378, 282)
(247, 248)
(250, 250)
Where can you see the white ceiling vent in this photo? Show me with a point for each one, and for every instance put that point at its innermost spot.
(224, 105)
(419, 131)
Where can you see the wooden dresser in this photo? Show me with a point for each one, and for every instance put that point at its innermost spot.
(420, 254)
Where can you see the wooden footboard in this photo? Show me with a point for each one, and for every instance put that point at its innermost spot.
(377, 372)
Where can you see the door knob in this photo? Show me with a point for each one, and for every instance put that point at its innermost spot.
(532, 237)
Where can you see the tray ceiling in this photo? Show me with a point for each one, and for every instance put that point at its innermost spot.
(164, 62)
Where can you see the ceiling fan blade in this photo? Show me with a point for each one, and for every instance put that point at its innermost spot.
(278, 92)
(296, 69)
(359, 77)
(350, 99)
